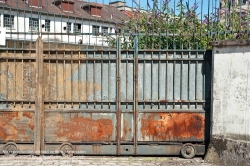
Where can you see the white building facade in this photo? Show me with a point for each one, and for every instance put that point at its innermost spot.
(87, 23)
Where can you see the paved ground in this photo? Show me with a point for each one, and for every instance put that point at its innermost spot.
(96, 161)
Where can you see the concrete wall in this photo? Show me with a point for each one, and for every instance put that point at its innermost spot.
(230, 124)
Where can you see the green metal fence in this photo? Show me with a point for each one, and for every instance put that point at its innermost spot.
(167, 24)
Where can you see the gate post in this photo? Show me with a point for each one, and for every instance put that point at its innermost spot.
(230, 131)
(38, 138)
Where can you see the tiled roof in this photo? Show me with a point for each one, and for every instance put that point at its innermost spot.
(49, 8)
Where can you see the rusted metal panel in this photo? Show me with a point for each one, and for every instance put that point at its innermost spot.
(78, 127)
(137, 101)
(172, 127)
(17, 126)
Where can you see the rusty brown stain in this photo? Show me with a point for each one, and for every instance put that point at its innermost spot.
(31, 125)
(163, 101)
(13, 126)
(85, 129)
(28, 114)
(126, 130)
(167, 126)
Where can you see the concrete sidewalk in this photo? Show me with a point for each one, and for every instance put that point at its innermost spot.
(99, 160)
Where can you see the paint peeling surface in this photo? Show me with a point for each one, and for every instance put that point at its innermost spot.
(172, 127)
(127, 127)
(17, 80)
(17, 126)
(78, 127)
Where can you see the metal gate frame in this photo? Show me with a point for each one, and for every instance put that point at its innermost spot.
(118, 148)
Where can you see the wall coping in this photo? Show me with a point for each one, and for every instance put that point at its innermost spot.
(222, 43)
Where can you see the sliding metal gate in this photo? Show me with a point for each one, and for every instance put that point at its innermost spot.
(104, 102)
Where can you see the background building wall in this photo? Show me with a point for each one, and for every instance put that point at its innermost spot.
(57, 24)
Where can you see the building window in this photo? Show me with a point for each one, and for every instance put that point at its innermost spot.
(110, 30)
(8, 21)
(95, 29)
(33, 24)
(242, 2)
(77, 28)
(68, 27)
(105, 30)
(47, 25)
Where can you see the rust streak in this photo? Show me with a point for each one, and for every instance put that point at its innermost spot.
(168, 126)
(28, 114)
(126, 130)
(14, 126)
(31, 125)
(85, 129)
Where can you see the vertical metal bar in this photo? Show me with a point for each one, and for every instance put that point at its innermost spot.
(50, 82)
(196, 79)
(144, 76)
(102, 73)
(248, 4)
(181, 79)
(64, 78)
(79, 78)
(166, 83)
(201, 24)
(14, 79)
(208, 25)
(109, 77)
(1, 71)
(159, 83)
(57, 78)
(204, 79)
(30, 92)
(118, 114)
(71, 76)
(94, 79)
(22, 78)
(127, 76)
(39, 98)
(189, 78)
(87, 76)
(174, 80)
(151, 79)
(136, 94)
(7, 79)
(127, 86)
(17, 20)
